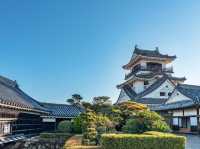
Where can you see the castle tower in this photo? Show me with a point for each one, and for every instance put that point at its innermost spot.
(150, 79)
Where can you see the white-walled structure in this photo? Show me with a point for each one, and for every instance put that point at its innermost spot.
(150, 81)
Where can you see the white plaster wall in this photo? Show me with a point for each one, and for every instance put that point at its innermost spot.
(190, 112)
(177, 113)
(143, 63)
(163, 65)
(123, 97)
(138, 86)
(177, 96)
(166, 87)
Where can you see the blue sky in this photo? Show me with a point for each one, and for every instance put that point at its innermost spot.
(57, 48)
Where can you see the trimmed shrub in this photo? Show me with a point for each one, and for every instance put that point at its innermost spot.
(65, 126)
(84, 147)
(77, 125)
(90, 136)
(158, 133)
(56, 136)
(142, 141)
(145, 121)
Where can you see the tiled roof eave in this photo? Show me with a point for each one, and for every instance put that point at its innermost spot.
(22, 108)
(138, 57)
(174, 106)
(46, 116)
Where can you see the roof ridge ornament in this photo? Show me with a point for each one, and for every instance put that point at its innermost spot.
(157, 49)
(136, 46)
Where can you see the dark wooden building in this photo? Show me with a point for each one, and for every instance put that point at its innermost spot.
(58, 113)
(22, 116)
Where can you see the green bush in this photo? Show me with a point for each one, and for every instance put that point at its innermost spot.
(90, 136)
(158, 133)
(65, 126)
(133, 126)
(145, 121)
(142, 141)
(77, 125)
(55, 136)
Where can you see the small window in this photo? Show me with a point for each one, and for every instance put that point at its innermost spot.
(146, 82)
(169, 94)
(167, 86)
(162, 93)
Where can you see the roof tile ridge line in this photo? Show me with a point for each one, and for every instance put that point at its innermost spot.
(151, 51)
(131, 88)
(192, 85)
(178, 88)
(158, 81)
(8, 80)
(171, 94)
(50, 103)
(19, 91)
(127, 93)
(22, 93)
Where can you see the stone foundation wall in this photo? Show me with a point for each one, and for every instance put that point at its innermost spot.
(37, 143)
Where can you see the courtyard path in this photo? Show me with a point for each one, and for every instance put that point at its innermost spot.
(75, 142)
(193, 142)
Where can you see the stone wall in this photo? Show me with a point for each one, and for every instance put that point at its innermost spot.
(37, 143)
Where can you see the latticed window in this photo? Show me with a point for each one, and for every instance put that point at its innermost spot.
(4, 128)
(162, 93)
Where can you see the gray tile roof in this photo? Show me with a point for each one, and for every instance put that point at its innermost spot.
(129, 91)
(62, 110)
(177, 78)
(11, 94)
(151, 100)
(139, 97)
(176, 105)
(152, 53)
(190, 91)
(148, 53)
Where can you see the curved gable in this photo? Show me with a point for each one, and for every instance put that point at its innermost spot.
(177, 96)
(166, 87)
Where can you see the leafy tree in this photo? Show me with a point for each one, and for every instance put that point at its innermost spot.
(101, 100)
(87, 105)
(75, 99)
(102, 104)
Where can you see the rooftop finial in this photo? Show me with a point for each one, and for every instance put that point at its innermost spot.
(136, 46)
(157, 49)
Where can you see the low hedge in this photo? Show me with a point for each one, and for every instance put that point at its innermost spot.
(142, 141)
(55, 136)
(158, 133)
(83, 147)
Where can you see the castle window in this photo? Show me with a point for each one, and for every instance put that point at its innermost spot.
(162, 93)
(169, 94)
(146, 82)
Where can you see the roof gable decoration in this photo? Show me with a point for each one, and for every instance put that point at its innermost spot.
(166, 87)
(155, 86)
(190, 91)
(177, 97)
(123, 97)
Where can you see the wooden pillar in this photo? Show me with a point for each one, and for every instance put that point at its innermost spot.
(198, 124)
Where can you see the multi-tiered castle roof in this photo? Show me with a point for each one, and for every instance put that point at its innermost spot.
(150, 80)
